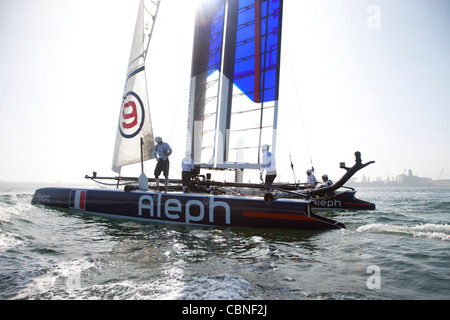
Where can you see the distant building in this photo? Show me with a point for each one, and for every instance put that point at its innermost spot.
(411, 180)
(403, 180)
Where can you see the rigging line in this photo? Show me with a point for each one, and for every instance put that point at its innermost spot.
(178, 91)
(177, 116)
(299, 104)
(285, 133)
(286, 138)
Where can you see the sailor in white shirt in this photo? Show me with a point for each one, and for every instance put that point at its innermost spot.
(311, 179)
(187, 164)
(162, 153)
(268, 165)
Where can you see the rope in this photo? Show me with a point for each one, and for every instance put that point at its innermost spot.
(299, 105)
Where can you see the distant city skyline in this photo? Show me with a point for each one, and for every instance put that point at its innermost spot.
(407, 178)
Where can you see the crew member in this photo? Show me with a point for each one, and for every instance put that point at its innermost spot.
(162, 153)
(187, 165)
(311, 180)
(268, 165)
(326, 182)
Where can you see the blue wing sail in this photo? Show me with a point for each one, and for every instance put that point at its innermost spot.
(235, 82)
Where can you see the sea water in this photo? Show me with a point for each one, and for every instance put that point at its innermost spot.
(399, 251)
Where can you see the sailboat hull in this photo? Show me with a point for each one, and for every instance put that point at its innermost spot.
(188, 209)
(345, 200)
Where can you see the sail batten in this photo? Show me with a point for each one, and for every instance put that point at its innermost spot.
(135, 125)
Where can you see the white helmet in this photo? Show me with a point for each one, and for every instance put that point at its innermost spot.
(158, 139)
(265, 147)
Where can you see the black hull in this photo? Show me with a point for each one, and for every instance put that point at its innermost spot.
(188, 209)
(345, 200)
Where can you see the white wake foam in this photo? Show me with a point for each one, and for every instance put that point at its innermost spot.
(66, 281)
(428, 231)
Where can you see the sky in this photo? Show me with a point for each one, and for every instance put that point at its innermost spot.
(357, 75)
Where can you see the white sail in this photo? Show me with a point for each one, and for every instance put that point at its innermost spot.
(134, 118)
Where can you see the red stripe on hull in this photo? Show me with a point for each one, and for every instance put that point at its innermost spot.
(282, 216)
(82, 200)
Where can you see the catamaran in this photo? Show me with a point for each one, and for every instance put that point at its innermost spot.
(235, 77)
